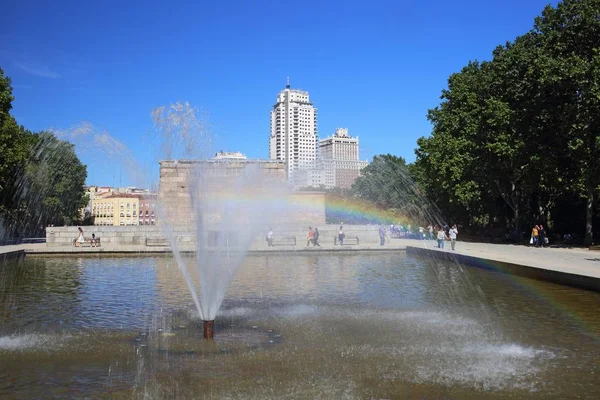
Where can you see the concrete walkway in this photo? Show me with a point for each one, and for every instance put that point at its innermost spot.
(570, 260)
(572, 267)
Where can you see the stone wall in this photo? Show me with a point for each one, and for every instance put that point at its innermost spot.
(137, 235)
(221, 180)
(59, 236)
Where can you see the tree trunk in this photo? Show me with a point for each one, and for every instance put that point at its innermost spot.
(589, 216)
(517, 223)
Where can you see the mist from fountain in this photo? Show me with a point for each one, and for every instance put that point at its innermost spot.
(227, 213)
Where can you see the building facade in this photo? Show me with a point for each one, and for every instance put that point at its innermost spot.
(146, 209)
(294, 136)
(340, 159)
(116, 209)
(229, 155)
(221, 184)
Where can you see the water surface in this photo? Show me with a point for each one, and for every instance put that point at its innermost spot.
(309, 326)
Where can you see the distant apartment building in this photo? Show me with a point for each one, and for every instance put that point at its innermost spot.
(229, 155)
(124, 209)
(294, 138)
(116, 209)
(339, 157)
(146, 209)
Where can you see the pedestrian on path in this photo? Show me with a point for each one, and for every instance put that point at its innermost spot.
(309, 238)
(315, 239)
(270, 238)
(441, 237)
(430, 230)
(453, 233)
(534, 235)
(341, 235)
(541, 236)
(381, 235)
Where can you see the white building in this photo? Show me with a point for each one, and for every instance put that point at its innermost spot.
(229, 155)
(294, 138)
(340, 159)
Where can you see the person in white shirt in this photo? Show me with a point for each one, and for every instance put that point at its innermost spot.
(453, 232)
(270, 238)
(441, 237)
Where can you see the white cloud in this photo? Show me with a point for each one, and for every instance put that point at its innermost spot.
(38, 70)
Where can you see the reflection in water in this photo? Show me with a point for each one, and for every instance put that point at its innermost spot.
(317, 326)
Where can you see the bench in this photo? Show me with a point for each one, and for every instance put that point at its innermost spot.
(87, 242)
(156, 242)
(347, 240)
(284, 241)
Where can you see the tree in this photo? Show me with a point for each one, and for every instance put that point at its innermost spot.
(48, 188)
(55, 179)
(523, 127)
(569, 38)
(12, 146)
(41, 178)
(387, 183)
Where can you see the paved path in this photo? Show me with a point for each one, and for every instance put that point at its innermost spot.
(566, 260)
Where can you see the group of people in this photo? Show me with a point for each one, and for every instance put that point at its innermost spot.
(313, 237)
(443, 233)
(538, 236)
(80, 239)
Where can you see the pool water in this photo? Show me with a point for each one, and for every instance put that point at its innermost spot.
(356, 326)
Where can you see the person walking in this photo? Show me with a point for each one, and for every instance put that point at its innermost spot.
(309, 238)
(381, 235)
(315, 239)
(270, 238)
(341, 235)
(535, 235)
(453, 233)
(430, 230)
(541, 235)
(80, 238)
(441, 237)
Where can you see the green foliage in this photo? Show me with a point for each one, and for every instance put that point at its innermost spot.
(41, 178)
(12, 144)
(388, 184)
(521, 131)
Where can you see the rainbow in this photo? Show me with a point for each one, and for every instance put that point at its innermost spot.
(356, 211)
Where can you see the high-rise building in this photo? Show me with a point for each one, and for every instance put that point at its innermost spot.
(340, 159)
(294, 138)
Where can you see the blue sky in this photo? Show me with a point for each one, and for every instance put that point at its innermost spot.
(374, 67)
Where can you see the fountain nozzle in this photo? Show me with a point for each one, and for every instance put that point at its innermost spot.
(209, 329)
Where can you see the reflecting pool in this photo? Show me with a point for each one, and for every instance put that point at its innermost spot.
(371, 325)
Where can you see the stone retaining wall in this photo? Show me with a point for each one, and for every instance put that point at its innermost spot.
(137, 235)
(221, 179)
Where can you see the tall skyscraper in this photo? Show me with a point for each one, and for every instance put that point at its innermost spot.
(294, 138)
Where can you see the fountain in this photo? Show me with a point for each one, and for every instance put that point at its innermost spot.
(222, 206)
